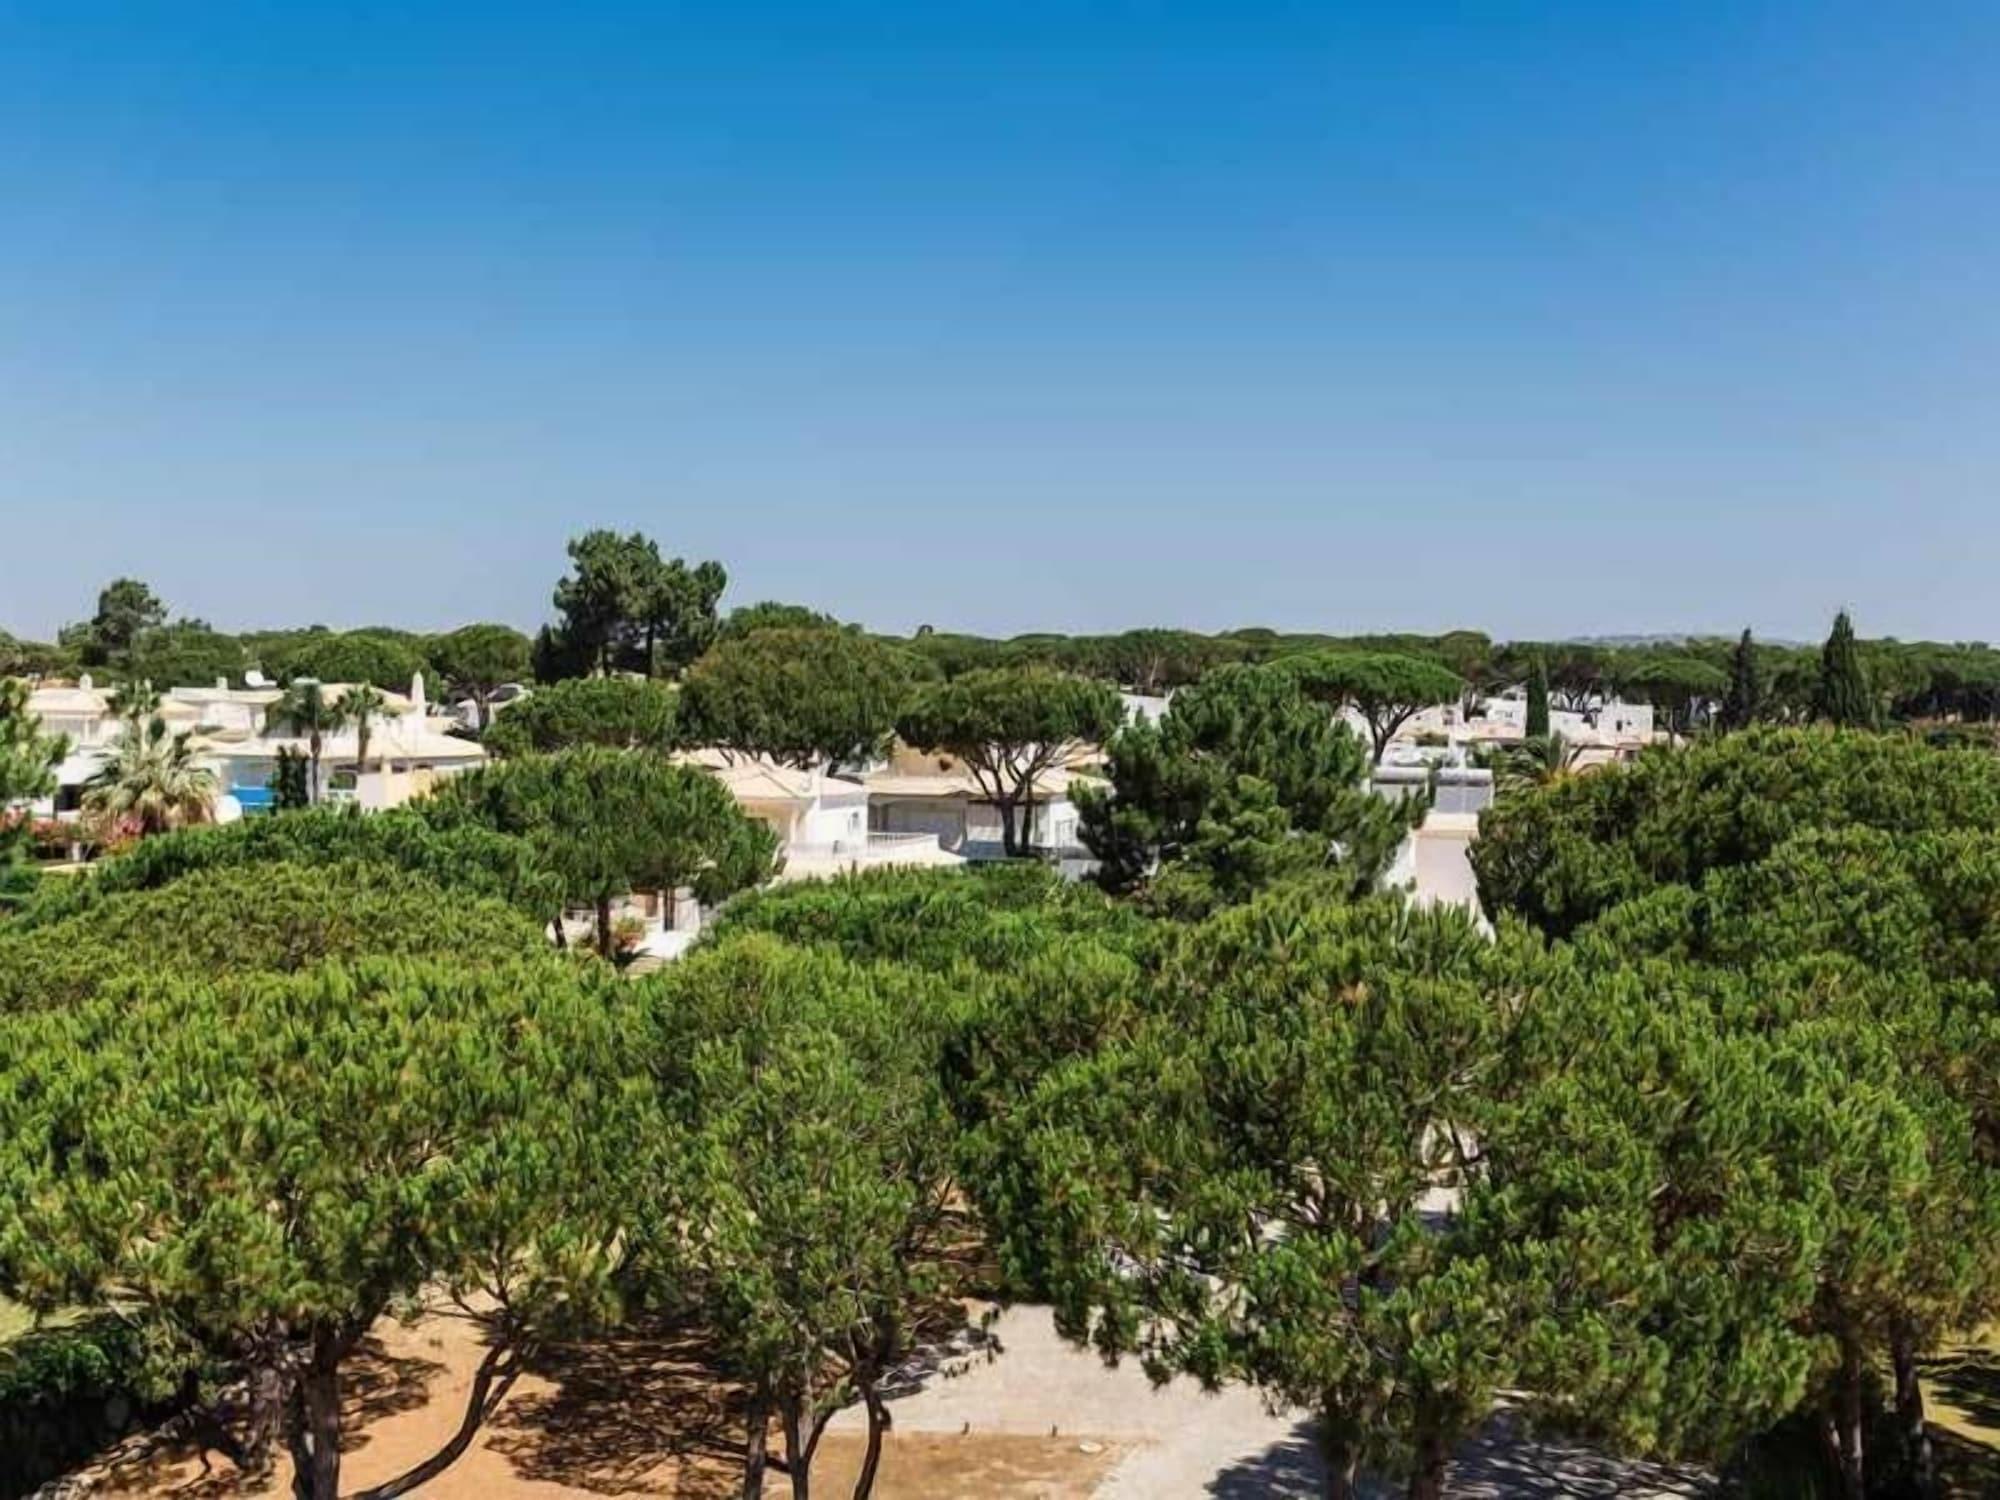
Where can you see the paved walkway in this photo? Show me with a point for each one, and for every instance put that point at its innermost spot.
(1190, 1443)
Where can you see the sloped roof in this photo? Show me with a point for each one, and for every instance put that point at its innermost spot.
(957, 782)
(753, 778)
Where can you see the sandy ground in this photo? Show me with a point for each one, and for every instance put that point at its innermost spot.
(1015, 1414)
(620, 1419)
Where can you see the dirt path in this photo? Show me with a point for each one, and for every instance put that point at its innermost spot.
(619, 1419)
(1181, 1441)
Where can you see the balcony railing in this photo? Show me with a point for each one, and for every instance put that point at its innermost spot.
(875, 848)
(890, 843)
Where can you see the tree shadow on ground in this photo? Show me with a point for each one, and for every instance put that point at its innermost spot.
(1289, 1469)
(1502, 1459)
(953, 1345)
(374, 1384)
(1966, 1467)
(1968, 1379)
(621, 1410)
(1499, 1462)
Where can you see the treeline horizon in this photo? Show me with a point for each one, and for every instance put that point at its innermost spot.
(625, 607)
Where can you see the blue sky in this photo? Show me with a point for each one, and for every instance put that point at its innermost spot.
(1547, 318)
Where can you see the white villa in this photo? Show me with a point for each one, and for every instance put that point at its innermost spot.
(1607, 732)
(918, 795)
(410, 747)
(822, 820)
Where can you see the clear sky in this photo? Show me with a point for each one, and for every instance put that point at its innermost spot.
(1547, 317)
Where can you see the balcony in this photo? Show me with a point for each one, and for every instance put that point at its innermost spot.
(877, 851)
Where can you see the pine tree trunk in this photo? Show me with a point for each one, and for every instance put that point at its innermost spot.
(604, 927)
(265, 1398)
(1342, 1459)
(1427, 1480)
(315, 1436)
(871, 1460)
(1848, 1422)
(754, 1450)
(1010, 842)
(298, 1444)
(798, 1460)
(1915, 1430)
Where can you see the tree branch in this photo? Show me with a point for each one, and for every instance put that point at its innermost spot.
(496, 1376)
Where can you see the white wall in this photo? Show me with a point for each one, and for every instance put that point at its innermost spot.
(941, 816)
(838, 818)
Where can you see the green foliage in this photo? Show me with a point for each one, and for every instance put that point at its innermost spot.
(556, 656)
(1042, 969)
(125, 608)
(185, 653)
(291, 781)
(1538, 701)
(1568, 853)
(361, 706)
(150, 781)
(20, 658)
(1576, 672)
(477, 660)
(1009, 726)
(1691, 1180)
(1757, 1131)
(1530, 764)
(1386, 688)
(952, 654)
(990, 918)
(68, 1389)
(1150, 661)
(28, 760)
(769, 614)
(804, 1206)
(310, 712)
(619, 713)
(624, 605)
(50, 1366)
(1845, 697)
(1236, 1189)
(605, 822)
(802, 697)
(268, 1164)
(277, 917)
(467, 860)
(1244, 780)
(1675, 685)
(1744, 703)
(387, 659)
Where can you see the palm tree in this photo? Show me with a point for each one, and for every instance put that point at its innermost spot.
(1537, 761)
(134, 700)
(360, 706)
(306, 711)
(151, 781)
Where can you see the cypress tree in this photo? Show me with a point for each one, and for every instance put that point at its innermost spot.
(290, 787)
(1744, 703)
(1538, 701)
(1845, 698)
